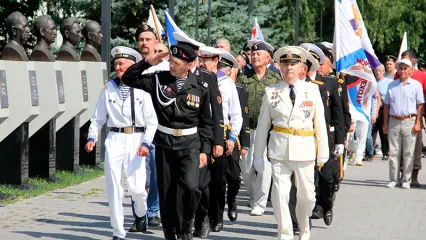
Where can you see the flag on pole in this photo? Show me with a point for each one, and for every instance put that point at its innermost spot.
(171, 27)
(256, 33)
(154, 22)
(404, 45)
(354, 55)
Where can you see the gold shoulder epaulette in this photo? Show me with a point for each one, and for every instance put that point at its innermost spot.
(105, 86)
(341, 81)
(317, 82)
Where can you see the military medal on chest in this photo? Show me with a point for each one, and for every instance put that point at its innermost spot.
(192, 100)
(275, 100)
(306, 106)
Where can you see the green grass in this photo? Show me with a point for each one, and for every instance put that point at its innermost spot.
(42, 186)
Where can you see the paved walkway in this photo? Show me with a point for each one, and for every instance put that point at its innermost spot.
(364, 209)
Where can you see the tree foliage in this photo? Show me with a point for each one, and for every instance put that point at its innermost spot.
(386, 21)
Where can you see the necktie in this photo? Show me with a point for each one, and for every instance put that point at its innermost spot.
(292, 94)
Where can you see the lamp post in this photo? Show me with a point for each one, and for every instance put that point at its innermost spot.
(296, 30)
(172, 9)
(210, 22)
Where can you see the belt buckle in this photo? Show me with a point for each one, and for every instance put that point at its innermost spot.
(177, 132)
(128, 130)
(292, 131)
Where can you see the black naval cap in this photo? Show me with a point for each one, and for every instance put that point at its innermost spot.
(390, 58)
(183, 52)
(144, 28)
(328, 52)
(243, 54)
(257, 46)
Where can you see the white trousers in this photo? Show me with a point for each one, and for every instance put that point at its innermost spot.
(257, 186)
(304, 180)
(361, 131)
(121, 152)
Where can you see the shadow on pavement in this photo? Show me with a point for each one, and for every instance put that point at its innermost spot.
(105, 204)
(54, 235)
(365, 183)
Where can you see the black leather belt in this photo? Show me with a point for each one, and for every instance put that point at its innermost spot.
(127, 130)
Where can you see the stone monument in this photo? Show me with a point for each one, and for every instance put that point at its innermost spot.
(93, 35)
(45, 31)
(18, 31)
(71, 33)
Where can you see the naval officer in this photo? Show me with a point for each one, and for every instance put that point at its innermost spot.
(132, 123)
(185, 132)
(295, 111)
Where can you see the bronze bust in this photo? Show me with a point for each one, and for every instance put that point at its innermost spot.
(93, 35)
(18, 31)
(71, 33)
(45, 31)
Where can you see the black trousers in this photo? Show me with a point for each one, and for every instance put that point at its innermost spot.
(203, 186)
(378, 127)
(178, 176)
(233, 176)
(217, 188)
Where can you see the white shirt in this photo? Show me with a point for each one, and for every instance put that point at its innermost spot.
(230, 103)
(117, 113)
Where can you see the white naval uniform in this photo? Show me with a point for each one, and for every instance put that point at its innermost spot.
(291, 153)
(230, 104)
(121, 148)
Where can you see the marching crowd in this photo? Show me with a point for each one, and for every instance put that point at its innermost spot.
(188, 122)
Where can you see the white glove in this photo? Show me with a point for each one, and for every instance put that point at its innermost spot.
(321, 161)
(338, 149)
(259, 164)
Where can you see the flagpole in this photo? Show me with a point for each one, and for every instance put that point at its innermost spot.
(336, 44)
(157, 28)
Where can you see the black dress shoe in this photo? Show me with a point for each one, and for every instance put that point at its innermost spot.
(187, 236)
(336, 187)
(139, 225)
(328, 217)
(317, 213)
(232, 212)
(169, 234)
(296, 231)
(117, 238)
(203, 229)
(217, 226)
(154, 221)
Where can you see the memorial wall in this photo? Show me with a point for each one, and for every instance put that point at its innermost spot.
(46, 102)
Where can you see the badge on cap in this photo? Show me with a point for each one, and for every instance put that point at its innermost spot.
(175, 50)
(145, 27)
(246, 109)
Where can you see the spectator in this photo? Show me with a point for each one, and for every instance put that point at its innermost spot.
(390, 66)
(382, 87)
(403, 111)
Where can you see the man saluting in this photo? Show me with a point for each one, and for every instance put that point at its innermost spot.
(185, 131)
